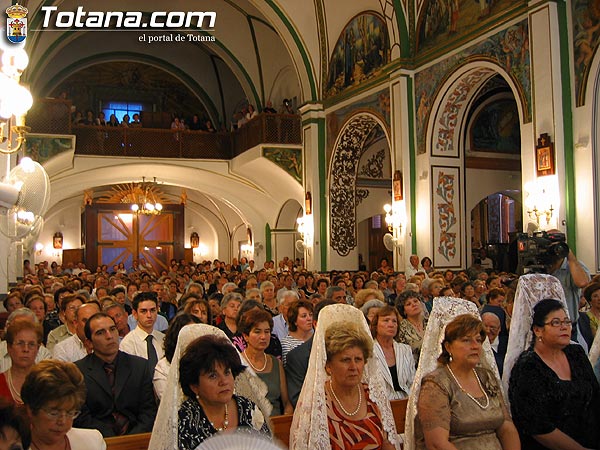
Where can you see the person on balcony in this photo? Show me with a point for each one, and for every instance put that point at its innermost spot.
(269, 108)
(113, 121)
(125, 122)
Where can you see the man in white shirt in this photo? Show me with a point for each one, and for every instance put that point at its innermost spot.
(413, 267)
(144, 341)
(73, 348)
(285, 299)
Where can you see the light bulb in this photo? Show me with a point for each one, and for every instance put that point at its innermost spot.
(159, 207)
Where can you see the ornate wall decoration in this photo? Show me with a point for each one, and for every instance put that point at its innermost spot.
(496, 127)
(586, 32)
(443, 137)
(361, 194)
(289, 159)
(508, 49)
(446, 216)
(377, 104)
(360, 53)
(342, 188)
(41, 148)
(374, 166)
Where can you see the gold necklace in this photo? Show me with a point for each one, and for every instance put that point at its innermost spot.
(225, 421)
(487, 399)
(353, 413)
(256, 369)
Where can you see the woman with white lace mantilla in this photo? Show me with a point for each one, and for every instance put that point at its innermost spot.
(460, 405)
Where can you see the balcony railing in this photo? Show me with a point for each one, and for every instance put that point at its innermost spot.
(51, 116)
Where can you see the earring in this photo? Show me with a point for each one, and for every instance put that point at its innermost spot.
(540, 339)
(450, 359)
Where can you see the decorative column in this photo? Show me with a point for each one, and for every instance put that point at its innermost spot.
(314, 180)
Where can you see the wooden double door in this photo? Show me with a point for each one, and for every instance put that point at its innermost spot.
(114, 234)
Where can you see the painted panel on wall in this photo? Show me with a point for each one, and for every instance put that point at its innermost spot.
(496, 128)
(446, 217)
(586, 33)
(441, 20)
(289, 159)
(41, 148)
(361, 51)
(377, 103)
(509, 49)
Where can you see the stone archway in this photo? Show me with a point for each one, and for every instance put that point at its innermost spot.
(344, 193)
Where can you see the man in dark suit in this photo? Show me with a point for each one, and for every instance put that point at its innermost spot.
(120, 397)
(491, 324)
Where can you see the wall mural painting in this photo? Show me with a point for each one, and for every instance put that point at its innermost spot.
(496, 128)
(362, 49)
(446, 219)
(440, 20)
(509, 49)
(43, 147)
(343, 195)
(377, 103)
(289, 159)
(586, 32)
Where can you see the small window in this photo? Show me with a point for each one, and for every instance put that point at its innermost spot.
(119, 109)
(377, 222)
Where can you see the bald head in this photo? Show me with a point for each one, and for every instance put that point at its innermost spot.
(491, 324)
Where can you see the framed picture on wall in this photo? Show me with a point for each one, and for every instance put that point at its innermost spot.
(544, 156)
(446, 217)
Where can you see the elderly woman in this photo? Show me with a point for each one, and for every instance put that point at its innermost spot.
(343, 403)
(207, 371)
(460, 404)
(552, 389)
(53, 393)
(300, 326)
(364, 295)
(395, 359)
(23, 340)
(370, 308)
(413, 323)
(267, 292)
(255, 326)
(230, 305)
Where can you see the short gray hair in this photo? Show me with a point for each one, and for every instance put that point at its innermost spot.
(228, 285)
(22, 312)
(232, 296)
(285, 294)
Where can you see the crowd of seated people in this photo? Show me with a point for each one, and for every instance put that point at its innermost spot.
(220, 346)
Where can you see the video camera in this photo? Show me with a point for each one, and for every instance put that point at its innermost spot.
(539, 250)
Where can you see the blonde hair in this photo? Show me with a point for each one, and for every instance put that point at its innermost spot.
(341, 336)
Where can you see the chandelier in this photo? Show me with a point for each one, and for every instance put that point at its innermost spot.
(143, 198)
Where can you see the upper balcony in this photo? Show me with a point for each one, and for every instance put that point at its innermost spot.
(50, 116)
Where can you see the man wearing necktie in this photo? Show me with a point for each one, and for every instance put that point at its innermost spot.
(144, 341)
(119, 397)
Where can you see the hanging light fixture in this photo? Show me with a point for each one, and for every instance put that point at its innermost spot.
(144, 201)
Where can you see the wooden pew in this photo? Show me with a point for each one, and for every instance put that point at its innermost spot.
(280, 427)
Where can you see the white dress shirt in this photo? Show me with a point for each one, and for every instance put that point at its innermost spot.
(6, 362)
(135, 343)
(280, 327)
(70, 350)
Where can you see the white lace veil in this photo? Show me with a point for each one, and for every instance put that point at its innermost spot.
(165, 430)
(445, 309)
(531, 288)
(309, 429)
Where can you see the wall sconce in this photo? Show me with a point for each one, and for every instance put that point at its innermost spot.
(393, 216)
(39, 247)
(536, 213)
(194, 240)
(541, 200)
(305, 228)
(57, 240)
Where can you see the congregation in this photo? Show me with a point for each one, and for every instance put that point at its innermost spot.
(486, 359)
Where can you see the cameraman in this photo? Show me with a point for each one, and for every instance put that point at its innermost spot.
(573, 275)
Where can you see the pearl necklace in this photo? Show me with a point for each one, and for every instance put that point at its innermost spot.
(13, 391)
(353, 413)
(256, 369)
(487, 399)
(225, 420)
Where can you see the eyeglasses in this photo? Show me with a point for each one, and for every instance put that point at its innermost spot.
(558, 323)
(56, 414)
(23, 344)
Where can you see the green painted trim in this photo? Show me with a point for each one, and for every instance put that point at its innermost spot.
(412, 154)
(300, 47)
(128, 56)
(259, 65)
(322, 191)
(567, 122)
(268, 249)
(403, 30)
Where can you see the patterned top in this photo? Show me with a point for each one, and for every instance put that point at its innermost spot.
(288, 344)
(194, 427)
(408, 334)
(366, 433)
